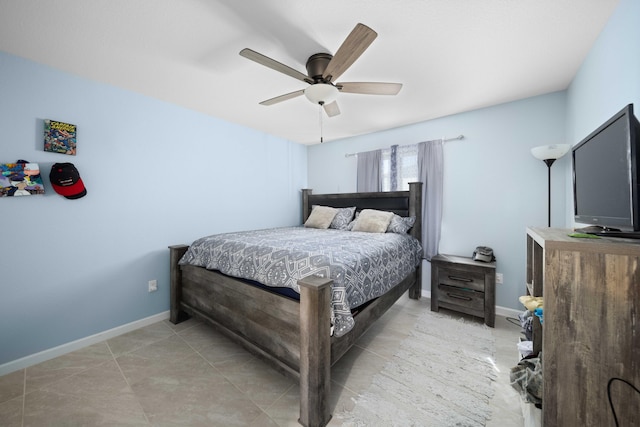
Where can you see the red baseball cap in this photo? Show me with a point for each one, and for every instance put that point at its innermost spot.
(66, 181)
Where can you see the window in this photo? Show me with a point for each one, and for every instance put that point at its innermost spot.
(399, 167)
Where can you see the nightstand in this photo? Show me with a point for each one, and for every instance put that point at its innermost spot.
(464, 285)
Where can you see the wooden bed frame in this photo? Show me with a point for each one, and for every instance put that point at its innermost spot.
(292, 335)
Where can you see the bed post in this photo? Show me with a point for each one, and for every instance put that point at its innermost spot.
(306, 192)
(175, 274)
(315, 350)
(415, 209)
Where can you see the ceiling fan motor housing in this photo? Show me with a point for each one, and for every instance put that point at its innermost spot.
(316, 64)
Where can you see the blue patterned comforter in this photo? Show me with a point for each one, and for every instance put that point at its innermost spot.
(363, 266)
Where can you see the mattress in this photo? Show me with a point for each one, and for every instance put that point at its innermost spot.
(363, 266)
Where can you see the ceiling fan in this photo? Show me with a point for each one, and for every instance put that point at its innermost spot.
(324, 68)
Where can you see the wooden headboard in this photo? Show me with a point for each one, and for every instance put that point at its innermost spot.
(403, 203)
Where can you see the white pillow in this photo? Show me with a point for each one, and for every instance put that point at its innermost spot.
(321, 217)
(372, 221)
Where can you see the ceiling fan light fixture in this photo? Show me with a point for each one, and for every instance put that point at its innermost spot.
(321, 93)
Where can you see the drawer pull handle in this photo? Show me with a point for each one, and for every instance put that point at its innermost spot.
(460, 279)
(458, 296)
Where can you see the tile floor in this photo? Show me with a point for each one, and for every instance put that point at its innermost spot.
(189, 375)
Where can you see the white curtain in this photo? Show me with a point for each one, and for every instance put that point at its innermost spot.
(369, 176)
(431, 173)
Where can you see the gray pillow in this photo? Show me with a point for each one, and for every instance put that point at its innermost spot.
(353, 222)
(401, 225)
(320, 217)
(343, 218)
(373, 221)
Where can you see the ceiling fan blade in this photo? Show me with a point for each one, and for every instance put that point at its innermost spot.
(370, 88)
(281, 98)
(331, 109)
(353, 46)
(274, 65)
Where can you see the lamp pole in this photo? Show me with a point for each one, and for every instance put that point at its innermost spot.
(549, 162)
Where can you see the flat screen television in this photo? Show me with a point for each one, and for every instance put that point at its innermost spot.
(605, 177)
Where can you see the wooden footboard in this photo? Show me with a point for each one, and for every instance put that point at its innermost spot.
(294, 336)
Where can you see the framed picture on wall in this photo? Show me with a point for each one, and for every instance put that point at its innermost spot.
(20, 179)
(60, 137)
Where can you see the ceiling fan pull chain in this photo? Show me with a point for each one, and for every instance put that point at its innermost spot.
(320, 118)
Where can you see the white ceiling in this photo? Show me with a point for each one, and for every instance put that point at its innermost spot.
(450, 55)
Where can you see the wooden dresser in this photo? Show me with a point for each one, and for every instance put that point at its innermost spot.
(461, 284)
(591, 328)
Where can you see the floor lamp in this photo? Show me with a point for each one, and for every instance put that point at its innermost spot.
(549, 154)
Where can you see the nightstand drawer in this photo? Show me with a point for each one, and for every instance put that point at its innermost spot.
(461, 279)
(469, 299)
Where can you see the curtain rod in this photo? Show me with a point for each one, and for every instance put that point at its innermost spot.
(433, 140)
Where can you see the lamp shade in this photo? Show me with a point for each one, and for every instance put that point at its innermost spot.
(321, 93)
(548, 152)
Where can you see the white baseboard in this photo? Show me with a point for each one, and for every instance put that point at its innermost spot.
(34, 359)
(508, 312)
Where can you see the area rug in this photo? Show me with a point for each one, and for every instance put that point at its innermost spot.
(440, 376)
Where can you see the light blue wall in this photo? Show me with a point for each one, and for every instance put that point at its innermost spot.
(608, 80)
(493, 187)
(156, 174)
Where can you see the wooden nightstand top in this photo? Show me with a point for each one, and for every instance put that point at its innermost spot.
(455, 259)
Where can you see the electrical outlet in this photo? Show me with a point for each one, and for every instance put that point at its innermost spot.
(153, 285)
(498, 278)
